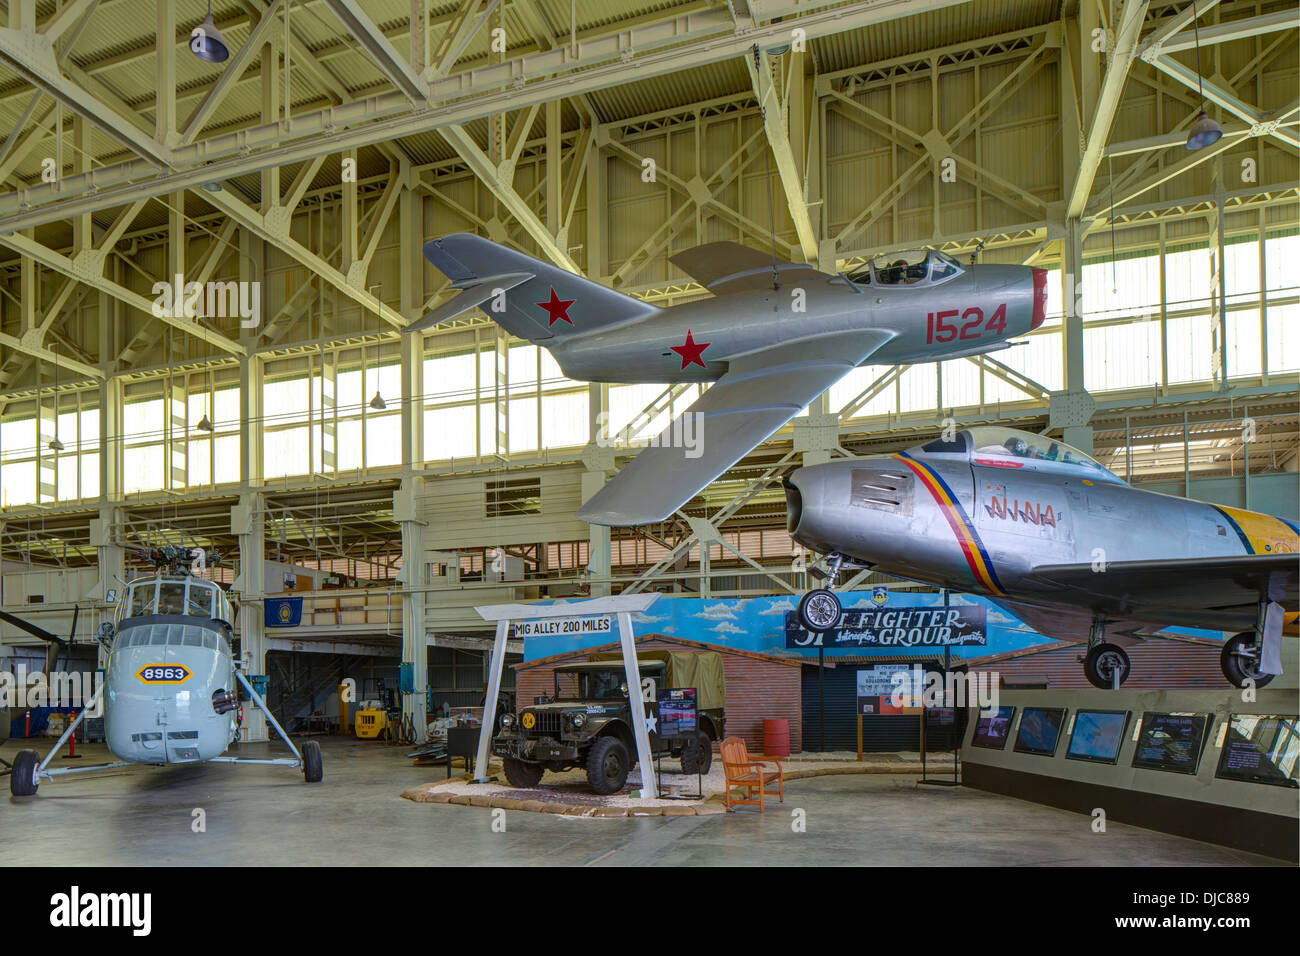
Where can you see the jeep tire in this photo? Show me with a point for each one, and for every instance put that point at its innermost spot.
(607, 765)
(697, 755)
(523, 774)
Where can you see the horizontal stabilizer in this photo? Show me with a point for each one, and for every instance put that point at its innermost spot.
(546, 302)
(470, 296)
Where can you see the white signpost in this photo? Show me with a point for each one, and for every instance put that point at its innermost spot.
(576, 619)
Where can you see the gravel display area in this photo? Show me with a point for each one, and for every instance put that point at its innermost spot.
(568, 793)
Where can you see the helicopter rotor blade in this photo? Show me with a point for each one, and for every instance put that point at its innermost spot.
(33, 629)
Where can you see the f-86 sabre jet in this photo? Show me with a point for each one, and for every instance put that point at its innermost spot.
(773, 336)
(1052, 536)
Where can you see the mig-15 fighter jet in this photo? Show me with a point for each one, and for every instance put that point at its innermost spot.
(772, 337)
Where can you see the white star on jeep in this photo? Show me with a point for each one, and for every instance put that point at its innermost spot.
(651, 724)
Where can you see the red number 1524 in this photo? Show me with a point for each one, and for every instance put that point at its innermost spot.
(945, 326)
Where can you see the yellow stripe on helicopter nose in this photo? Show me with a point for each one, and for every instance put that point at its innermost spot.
(1260, 533)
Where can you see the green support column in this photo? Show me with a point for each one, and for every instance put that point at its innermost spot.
(415, 642)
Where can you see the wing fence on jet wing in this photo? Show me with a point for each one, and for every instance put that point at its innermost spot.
(758, 394)
(730, 267)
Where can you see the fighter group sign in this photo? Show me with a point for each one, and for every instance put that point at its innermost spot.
(956, 626)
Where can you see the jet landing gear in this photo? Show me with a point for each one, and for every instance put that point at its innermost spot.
(1105, 665)
(819, 610)
(1241, 655)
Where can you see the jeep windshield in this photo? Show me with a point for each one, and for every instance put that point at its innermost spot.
(589, 684)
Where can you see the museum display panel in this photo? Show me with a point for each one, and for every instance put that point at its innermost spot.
(992, 730)
(1039, 730)
(1171, 742)
(1261, 749)
(1097, 735)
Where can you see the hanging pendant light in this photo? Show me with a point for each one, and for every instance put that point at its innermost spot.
(378, 403)
(56, 445)
(1204, 132)
(207, 43)
(205, 423)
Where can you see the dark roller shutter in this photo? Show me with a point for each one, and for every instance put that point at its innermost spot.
(881, 733)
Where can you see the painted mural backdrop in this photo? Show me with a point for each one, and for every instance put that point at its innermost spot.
(767, 625)
(878, 621)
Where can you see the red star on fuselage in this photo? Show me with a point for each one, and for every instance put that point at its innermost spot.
(691, 351)
(556, 308)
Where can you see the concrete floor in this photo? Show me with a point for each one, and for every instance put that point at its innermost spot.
(267, 815)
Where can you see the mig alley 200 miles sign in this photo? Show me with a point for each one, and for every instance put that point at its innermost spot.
(956, 626)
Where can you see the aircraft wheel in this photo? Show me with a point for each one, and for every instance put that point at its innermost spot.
(1101, 663)
(23, 781)
(819, 610)
(1238, 667)
(312, 768)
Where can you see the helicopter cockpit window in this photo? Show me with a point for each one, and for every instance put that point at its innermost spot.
(144, 598)
(903, 268)
(199, 600)
(171, 597)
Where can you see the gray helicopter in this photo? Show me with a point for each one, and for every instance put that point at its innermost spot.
(171, 694)
(1056, 539)
(773, 336)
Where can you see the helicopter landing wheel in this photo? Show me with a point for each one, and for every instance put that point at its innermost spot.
(312, 767)
(24, 780)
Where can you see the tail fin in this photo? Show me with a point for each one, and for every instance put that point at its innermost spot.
(529, 298)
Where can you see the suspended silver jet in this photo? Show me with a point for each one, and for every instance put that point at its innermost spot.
(773, 336)
(1049, 534)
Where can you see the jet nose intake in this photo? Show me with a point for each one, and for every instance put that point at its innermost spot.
(793, 505)
(1040, 298)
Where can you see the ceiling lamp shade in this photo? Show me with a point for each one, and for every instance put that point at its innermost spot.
(1204, 132)
(378, 403)
(207, 43)
(55, 444)
(204, 425)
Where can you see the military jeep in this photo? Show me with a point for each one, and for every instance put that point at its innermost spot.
(587, 721)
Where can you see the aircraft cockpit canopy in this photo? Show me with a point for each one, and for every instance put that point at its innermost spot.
(1011, 448)
(175, 595)
(915, 267)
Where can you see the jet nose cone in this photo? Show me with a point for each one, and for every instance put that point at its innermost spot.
(1040, 298)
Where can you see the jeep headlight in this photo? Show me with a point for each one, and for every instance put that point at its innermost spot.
(577, 720)
(507, 721)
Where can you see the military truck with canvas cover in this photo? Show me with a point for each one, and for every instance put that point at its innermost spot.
(587, 721)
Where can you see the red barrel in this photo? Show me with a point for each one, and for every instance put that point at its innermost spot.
(776, 738)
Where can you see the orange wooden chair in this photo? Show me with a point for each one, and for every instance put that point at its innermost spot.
(742, 771)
